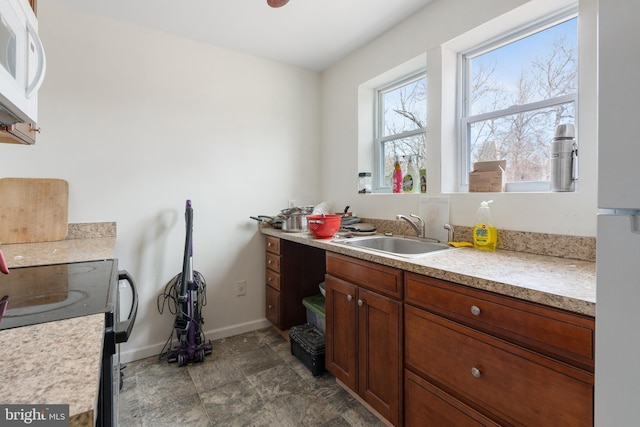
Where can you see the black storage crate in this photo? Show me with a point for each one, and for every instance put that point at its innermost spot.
(307, 344)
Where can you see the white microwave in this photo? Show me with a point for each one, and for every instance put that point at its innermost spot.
(22, 63)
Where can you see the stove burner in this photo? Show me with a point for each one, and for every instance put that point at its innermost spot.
(47, 293)
(43, 303)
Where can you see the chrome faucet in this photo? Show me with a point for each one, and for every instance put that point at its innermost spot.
(419, 229)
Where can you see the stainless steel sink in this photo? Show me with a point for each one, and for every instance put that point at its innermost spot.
(399, 246)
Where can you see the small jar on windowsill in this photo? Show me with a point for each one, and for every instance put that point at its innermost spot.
(364, 182)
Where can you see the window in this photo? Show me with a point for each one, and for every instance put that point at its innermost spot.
(400, 126)
(515, 92)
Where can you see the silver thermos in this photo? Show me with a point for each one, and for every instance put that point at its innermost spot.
(564, 159)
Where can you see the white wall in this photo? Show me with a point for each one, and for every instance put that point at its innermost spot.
(439, 24)
(138, 121)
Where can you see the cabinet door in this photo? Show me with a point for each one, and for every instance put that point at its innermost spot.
(341, 330)
(272, 312)
(379, 353)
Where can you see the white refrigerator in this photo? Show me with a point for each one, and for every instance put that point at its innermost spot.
(617, 356)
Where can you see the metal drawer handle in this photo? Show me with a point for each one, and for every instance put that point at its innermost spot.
(360, 302)
(475, 310)
(269, 262)
(349, 297)
(270, 306)
(269, 279)
(269, 244)
(476, 372)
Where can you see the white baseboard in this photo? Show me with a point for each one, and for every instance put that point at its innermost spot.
(215, 334)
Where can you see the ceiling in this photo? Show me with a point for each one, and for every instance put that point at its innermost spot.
(312, 34)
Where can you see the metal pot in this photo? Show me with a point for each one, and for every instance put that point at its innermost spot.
(295, 219)
(295, 223)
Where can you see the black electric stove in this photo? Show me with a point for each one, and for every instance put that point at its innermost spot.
(47, 293)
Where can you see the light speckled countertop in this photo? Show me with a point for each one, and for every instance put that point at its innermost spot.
(44, 364)
(84, 242)
(557, 282)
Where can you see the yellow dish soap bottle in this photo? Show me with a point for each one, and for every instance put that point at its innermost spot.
(485, 234)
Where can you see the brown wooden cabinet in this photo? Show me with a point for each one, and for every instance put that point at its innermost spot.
(481, 356)
(364, 331)
(451, 355)
(293, 272)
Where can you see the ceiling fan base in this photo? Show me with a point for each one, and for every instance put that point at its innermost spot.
(277, 3)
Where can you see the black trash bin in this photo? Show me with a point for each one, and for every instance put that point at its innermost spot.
(307, 344)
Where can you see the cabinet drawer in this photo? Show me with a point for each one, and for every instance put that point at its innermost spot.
(375, 277)
(428, 406)
(557, 333)
(494, 377)
(272, 309)
(272, 244)
(273, 279)
(273, 262)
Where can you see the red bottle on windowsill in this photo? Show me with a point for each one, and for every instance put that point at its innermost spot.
(397, 177)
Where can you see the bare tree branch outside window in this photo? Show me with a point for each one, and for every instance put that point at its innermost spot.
(403, 124)
(519, 93)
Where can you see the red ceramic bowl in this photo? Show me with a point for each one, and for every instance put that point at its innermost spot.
(323, 227)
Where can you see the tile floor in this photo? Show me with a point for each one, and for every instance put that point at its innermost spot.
(249, 380)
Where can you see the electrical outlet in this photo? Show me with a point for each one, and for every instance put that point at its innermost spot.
(241, 288)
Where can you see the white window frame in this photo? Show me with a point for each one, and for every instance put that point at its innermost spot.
(380, 140)
(464, 87)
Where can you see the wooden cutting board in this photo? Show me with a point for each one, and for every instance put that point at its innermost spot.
(33, 210)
